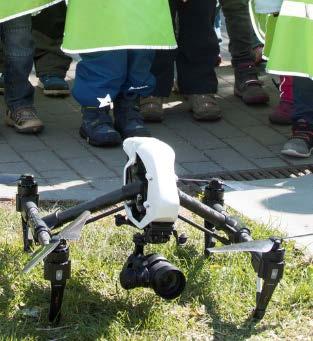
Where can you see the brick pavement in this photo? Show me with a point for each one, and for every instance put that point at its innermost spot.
(66, 165)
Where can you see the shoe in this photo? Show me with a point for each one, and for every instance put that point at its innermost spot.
(97, 127)
(247, 85)
(128, 120)
(53, 86)
(301, 142)
(1, 84)
(24, 120)
(151, 109)
(204, 107)
(282, 113)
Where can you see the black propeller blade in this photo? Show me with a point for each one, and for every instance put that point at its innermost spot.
(71, 232)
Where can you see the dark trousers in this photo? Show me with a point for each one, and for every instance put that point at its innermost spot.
(240, 31)
(303, 99)
(107, 74)
(197, 51)
(18, 46)
(48, 28)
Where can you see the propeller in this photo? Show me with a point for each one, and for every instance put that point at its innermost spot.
(71, 232)
(262, 246)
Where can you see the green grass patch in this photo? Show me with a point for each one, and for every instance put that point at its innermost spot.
(216, 304)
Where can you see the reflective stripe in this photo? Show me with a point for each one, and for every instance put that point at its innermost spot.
(297, 9)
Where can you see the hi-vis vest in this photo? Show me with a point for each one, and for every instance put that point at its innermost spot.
(10, 9)
(288, 39)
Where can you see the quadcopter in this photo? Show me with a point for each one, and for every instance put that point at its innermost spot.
(151, 201)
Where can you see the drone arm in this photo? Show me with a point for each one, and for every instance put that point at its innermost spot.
(127, 192)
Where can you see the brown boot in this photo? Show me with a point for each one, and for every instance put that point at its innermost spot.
(247, 85)
(204, 107)
(151, 109)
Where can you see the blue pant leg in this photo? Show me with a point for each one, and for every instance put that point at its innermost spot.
(139, 77)
(18, 50)
(98, 75)
(303, 99)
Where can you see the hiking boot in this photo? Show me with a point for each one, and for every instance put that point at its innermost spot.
(282, 113)
(128, 120)
(53, 86)
(247, 85)
(301, 142)
(1, 84)
(204, 107)
(151, 109)
(24, 120)
(97, 127)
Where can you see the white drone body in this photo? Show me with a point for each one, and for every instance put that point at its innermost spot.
(158, 158)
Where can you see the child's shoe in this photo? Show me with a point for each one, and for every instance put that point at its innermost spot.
(301, 142)
(128, 120)
(24, 120)
(54, 85)
(97, 127)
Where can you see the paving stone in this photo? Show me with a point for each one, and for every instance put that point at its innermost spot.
(44, 161)
(180, 170)
(90, 168)
(265, 135)
(269, 162)
(106, 185)
(7, 154)
(229, 159)
(16, 168)
(202, 167)
(222, 129)
(249, 147)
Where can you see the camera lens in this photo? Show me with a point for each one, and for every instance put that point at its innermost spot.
(166, 280)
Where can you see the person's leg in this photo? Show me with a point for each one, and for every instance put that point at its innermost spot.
(99, 77)
(163, 71)
(139, 82)
(301, 141)
(240, 31)
(198, 51)
(19, 93)
(51, 63)
(1, 69)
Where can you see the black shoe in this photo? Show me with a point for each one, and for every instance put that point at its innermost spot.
(128, 120)
(54, 85)
(97, 127)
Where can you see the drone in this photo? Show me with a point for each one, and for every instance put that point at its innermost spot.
(151, 200)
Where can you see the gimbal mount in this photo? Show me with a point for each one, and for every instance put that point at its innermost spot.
(151, 202)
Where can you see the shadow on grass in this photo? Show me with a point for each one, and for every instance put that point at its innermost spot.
(196, 279)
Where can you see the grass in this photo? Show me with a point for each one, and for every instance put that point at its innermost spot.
(216, 304)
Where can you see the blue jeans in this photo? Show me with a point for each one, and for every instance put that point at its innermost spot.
(18, 48)
(303, 99)
(112, 73)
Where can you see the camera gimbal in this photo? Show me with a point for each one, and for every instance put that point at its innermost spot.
(151, 202)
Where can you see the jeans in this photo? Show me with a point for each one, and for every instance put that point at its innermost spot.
(18, 61)
(111, 73)
(303, 99)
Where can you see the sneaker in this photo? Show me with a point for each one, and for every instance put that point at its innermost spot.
(24, 120)
(128, 120)
(151, 109)
(204, 107)
(247, 85)
(53, 86)
(301, 142)
(1, 84)
(97, 127)
(282, 113)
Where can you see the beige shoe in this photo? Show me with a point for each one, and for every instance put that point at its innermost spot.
(204, 107)
(24, 120)
(151, 109)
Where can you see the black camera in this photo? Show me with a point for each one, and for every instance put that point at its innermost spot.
(153, 271)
